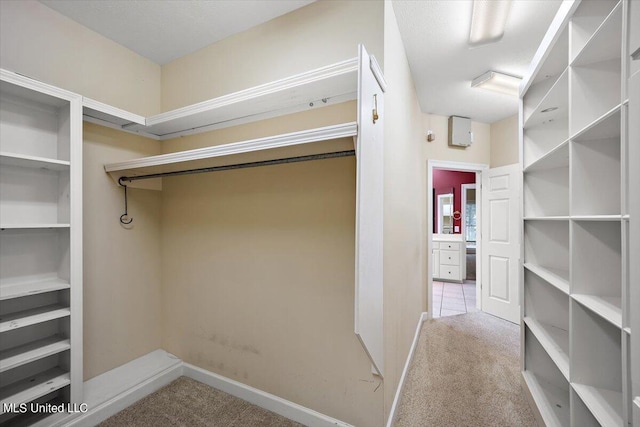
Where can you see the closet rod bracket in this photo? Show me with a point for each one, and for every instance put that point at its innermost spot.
(124, 218)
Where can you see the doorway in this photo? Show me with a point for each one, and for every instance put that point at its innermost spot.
(498, 251)
(454, 266)
(452, 238)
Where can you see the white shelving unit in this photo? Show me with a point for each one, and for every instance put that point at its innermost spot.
(577, 245)
(40, 245)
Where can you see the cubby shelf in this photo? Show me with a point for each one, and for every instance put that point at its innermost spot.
(22, 289)
(605, 126)
(596, 91)
(25, 161)
(605, 405)
(553, 104)
(598, 47)
(554, 340)
(609, 308)
(554, 276)
(33, 387)
(555, 158)
(33, 351)
(33, 316)
(552, 401)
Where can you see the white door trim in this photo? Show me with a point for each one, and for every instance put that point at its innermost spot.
(478, 168)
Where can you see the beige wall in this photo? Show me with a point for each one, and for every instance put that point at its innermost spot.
(258, 274)
(41, 43)
(439, 149)
(404, 209)
(504, 142)
(121, 266)
(319, 34)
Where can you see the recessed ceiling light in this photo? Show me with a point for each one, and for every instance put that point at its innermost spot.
(488, 21)
(498, 82)
(548, 110)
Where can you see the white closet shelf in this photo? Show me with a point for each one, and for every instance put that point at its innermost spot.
(552, 401)
(627, 330)
(33, 316)
(605, 126)
(32, 226)
(34, 162)
(596, 217)
(605, 405)
(303, 143)
(547, 218)
(554, 340)
(327, 85)
(609, 308)
(17, 290)
(33, 387)
(33, 351)
(598, 47)
(554, 276)
(555, 98)
(557, 157)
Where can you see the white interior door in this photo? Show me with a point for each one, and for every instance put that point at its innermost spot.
(501, 241)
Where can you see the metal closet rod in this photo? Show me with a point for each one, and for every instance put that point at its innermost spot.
(311, 157)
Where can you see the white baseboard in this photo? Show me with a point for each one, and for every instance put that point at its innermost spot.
(396, 400)
(115, 390)
(123, 386)
(265, 400)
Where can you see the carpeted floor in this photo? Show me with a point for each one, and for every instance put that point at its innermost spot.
(465, 372)
(186, 402)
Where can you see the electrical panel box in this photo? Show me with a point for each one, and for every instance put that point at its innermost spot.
(460, 134)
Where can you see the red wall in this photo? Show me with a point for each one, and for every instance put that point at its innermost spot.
(443, 181)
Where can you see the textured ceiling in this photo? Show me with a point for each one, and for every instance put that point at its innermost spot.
(435, 34)
(163, 30)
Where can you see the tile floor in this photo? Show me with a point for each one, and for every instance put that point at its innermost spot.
(450, 299)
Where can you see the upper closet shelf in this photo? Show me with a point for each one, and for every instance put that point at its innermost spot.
(313, 142)
(327, 85)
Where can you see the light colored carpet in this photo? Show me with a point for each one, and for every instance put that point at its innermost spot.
(465, 372)
(186, 402)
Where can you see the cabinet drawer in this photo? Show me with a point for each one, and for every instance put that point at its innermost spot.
(451, 272)
(449, 257)
(450, 246)
(435, 245)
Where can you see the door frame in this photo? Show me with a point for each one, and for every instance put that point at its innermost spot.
(479, 169)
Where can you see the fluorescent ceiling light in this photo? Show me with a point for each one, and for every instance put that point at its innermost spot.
(498, 82)
(488, 21)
